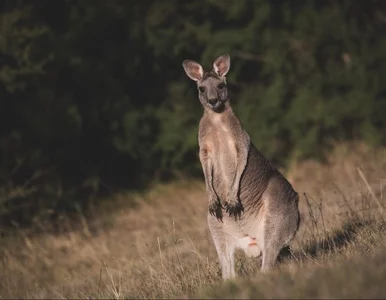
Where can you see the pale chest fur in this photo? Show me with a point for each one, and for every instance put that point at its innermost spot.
(219, 141)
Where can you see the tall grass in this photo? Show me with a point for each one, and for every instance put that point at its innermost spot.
(162, 248)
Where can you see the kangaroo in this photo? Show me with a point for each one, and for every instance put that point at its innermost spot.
(251, 205)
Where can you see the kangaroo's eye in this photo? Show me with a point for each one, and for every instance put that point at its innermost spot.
(202, 89)
(221, 85)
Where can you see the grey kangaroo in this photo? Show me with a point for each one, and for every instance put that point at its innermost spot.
(251, 205)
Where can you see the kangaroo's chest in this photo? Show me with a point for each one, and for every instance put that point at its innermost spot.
(224, 150)
(223, 157)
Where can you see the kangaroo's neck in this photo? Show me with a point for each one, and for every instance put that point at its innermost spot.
(225, 115)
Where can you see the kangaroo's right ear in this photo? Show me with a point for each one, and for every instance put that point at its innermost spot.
(222, 64)
(193, 69)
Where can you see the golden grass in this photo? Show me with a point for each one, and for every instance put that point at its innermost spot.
(361, 276)
(162, 248)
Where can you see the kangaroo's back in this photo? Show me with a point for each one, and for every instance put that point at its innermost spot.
(255, 182)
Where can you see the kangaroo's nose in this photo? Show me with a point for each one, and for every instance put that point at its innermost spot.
(213, 101)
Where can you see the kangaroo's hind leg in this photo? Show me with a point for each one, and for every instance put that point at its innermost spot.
(279, 230)
(271, 247)
(226, 257)
(225, 246)
(276, 236)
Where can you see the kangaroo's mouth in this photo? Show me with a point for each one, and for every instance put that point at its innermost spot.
(217, 106)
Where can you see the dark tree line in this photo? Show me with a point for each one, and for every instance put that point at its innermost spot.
(93, 96)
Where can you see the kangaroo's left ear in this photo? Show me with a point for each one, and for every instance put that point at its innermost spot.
(221, 65)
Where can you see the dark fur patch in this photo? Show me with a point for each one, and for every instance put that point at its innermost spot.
(210, 74)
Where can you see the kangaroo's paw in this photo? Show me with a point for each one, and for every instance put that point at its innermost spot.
(234, 207)
(215, 208)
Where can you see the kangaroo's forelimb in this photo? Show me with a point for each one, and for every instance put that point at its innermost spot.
(233, 205)
(215, 207)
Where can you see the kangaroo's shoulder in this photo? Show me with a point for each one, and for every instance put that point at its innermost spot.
(204, 127)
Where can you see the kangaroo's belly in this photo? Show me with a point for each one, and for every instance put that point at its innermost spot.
(247, 232)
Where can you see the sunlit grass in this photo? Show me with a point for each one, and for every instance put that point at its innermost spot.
(161, 248)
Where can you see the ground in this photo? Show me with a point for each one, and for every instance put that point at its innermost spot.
(161, 247)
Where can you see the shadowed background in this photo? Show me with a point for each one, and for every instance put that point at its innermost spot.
(93, 97)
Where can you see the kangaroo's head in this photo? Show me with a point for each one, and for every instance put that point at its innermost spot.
(212, 88)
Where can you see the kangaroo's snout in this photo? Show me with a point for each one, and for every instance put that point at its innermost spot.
(213, 102)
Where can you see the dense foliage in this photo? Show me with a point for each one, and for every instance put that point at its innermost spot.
(93, 95)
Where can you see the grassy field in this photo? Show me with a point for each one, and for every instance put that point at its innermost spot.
(161, 248)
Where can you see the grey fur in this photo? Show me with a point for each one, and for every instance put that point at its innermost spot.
(251, 205)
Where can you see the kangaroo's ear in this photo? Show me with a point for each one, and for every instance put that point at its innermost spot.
(193, 69)
(222, 64)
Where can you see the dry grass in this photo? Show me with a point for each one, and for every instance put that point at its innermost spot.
(162, 248)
